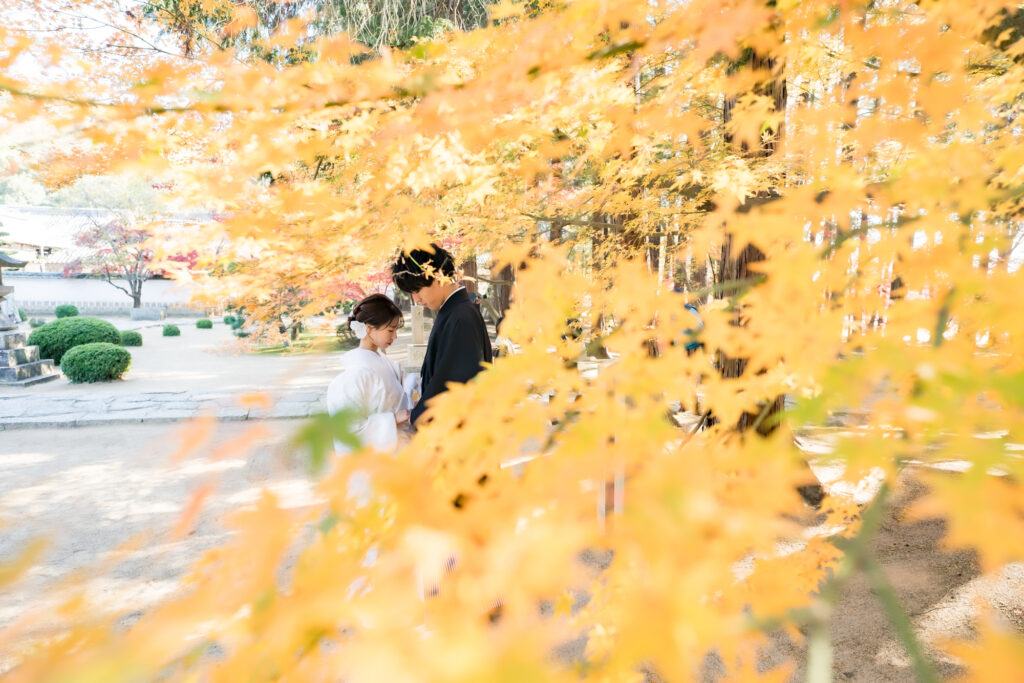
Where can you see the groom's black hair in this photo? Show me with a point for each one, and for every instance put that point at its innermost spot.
(419, 268)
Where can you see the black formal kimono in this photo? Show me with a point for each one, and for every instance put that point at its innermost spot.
(457, 347)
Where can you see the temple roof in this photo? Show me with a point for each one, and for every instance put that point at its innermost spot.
(10, 262)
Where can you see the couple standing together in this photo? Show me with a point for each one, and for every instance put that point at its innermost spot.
(373, 386)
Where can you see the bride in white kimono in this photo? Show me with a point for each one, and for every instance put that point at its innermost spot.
(371, 384)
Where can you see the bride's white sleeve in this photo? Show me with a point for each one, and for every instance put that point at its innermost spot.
(358, 391)
(410, 386)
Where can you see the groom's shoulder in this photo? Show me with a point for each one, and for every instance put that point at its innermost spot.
(465, 310)
(458, 317)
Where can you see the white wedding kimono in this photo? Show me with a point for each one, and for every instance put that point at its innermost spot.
(375, 387)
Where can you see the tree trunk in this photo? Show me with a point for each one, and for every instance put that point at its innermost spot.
(776, 88)
(734, 268)
(135, 285)
(469, 273)
(557, 228)
(503, 297)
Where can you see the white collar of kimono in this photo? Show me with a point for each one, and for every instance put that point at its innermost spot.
(450, 296)
(381, 356)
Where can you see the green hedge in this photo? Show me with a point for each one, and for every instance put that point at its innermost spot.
(130, 338)
(229, 320)
(36, 322)
(204, 324)
(21, 314)
(56, 338)
(99, 362)
(65, 311)
(344, 333)
(172, 331)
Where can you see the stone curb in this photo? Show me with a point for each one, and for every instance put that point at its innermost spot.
(152, 408)
(93, 420)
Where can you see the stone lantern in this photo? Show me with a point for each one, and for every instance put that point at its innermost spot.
(7, 322)
(20, 365)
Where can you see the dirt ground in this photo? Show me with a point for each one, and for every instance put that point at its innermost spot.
(89, 490)
(942, 592)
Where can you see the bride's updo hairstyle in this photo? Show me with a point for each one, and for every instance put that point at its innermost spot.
(377, 310)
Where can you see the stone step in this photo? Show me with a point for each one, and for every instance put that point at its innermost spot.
(11, 357)
(30, 381)
(12, 340)
(26, 371)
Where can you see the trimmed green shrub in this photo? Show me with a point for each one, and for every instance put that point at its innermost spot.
(99, 362)
(238, 323)
(204, 324)
(344, 333)
(241, 333)
(45, 337)
(65, 311)
(229, 320)
(172, 331)
(36, 322)
(21, 314)
(56, 338)
(130, 338)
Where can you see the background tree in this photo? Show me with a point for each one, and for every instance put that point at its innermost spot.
(376, 25)
(133, 196)
(20, 148)
(120, 252)
(119, 239)
(21, 189)
(899, 164)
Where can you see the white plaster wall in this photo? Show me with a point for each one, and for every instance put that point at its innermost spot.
(153, 291)
(38, 295)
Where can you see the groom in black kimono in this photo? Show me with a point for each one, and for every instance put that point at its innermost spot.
(458, 343)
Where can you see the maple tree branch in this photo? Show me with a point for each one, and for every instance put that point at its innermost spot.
(582, 222)
(82, 102)
(816, 617)
(897, 617)
(176, 14)
(943, 318)
(489, 281)
(859, 552)
(144, 111)
(110, 281)
(112, 47)
(573, 221)
(819, 651)
(729, 286)
(835, 55)
(120, 29)
(5, 87)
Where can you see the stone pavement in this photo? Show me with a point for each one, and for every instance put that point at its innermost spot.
(77, 409)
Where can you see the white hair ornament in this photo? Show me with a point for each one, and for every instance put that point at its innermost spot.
(359, 328)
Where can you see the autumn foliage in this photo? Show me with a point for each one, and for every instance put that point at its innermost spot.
(837, 185)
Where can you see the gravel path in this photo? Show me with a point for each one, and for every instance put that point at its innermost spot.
(198, 360)
(104, 501)
(202, 372)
